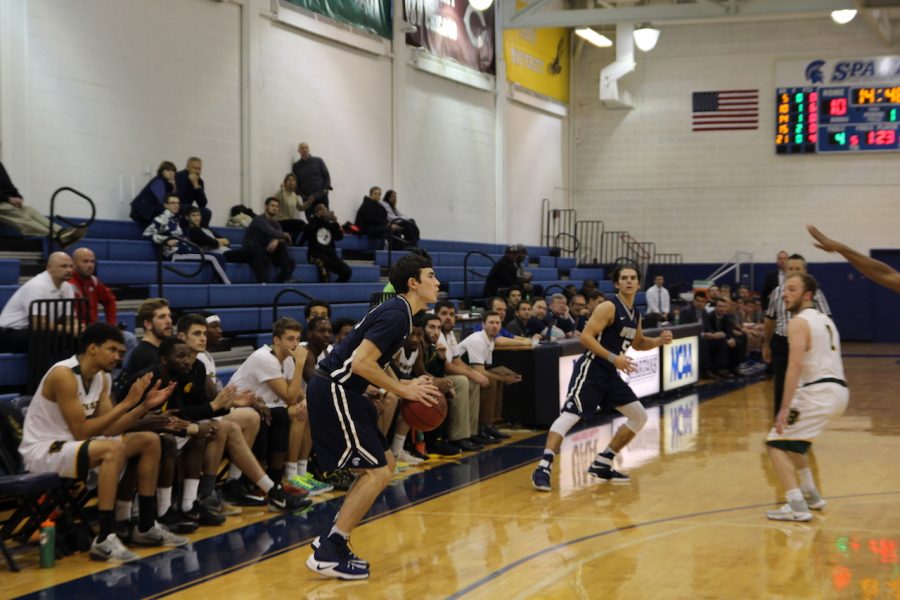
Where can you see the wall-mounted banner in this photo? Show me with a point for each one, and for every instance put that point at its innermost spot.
(373, 15)
(538, 60)
(453, 29)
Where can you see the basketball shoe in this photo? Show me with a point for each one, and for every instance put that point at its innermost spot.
(797, 511)
(333, 558)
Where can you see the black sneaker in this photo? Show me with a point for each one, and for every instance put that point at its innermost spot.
(540, 479)
(334, 559)
(177, 522)
(467, 445)
(234, 492)
(336, 478)
(484, 440)
(607, 473)
(495, 433)
(280, 501)
(442, 448)
(204, 515)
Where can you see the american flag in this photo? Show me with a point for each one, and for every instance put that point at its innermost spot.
(726, 110)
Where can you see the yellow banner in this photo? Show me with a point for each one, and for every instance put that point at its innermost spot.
(538, 60)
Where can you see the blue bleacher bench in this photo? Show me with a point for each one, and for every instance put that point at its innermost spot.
(13, 369)
(9, 271)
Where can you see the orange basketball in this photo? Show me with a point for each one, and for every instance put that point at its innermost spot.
(421, 417)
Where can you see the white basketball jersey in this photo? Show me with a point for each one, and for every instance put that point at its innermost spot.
(824, 358)
(44, 420)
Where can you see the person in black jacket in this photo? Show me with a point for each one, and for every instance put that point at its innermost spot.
(371, 217)
(313, 179)
(774, 278)
(151, 200)
(726, 348)
(265, 243)
(322, 232)
(192, 190)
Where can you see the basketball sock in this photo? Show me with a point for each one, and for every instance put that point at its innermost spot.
(302, 465)
(189, 494)
(546, 459)
(147, 517)
(163, 499)
(265, 483)
(606, 457)
(795, 499)
(207, 486)
(123, 510)
(807, 484)
(397, 444)
(290, 470)
(233, 472)
(338, 532)
(107, 524)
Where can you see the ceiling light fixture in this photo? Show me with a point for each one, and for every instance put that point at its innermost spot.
(645, 37)
(842, 17)
(481, 5)
(595, 38)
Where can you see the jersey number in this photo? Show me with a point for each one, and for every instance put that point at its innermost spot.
(626, 344)
(831, 337)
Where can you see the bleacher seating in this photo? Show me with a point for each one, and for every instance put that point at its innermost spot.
(125, 259)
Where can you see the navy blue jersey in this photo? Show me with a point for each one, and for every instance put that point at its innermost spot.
(618, 335)
(386, 326)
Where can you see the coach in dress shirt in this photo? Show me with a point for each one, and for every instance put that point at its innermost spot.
(658, 300)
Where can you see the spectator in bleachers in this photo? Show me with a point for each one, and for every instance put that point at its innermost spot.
(166, 233)
(696, 313)
(213, 339)
(290, 206)
(372, 220)
(72, 427)
(579, 312)
(743, 292)
(588, 287)
(434, 362)
(725, 291)
(272, 373)
(317, 308)
(467, 382)
(192, 190)
(774, 278)
(87, 285)
(751, 318)
(513, 297)
(266, 245)
(558, 316)
(594, 298)
(519, 324)
(462, 411)
(569, 292)
(313, 178)
(508, 271)
(479, 348)
(53, 283)
(726, 349)
(25, 219)
(321, 234)
(712, 294)
(204, 236)
(658, 300)
(155, 317)
(151, 200)
(538, 323)
(505, 338)
(342, 327)
(408, 228)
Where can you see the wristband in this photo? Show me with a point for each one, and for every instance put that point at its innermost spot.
(612, 358)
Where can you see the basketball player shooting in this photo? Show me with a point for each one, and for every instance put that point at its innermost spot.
(875, 270)
(344, 422)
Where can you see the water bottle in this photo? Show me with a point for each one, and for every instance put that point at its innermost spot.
(48, 544)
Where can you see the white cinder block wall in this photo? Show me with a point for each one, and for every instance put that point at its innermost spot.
(709, 194)
(115, 87)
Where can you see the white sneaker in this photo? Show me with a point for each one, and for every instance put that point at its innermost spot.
(157, 535)
(405, 457)
(112, 549)
(787, 513)
(814, 500)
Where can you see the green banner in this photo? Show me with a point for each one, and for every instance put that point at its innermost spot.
(372, 15)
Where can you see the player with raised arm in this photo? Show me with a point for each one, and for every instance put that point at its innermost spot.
(875, 270)
(614, 326)
(344, 421)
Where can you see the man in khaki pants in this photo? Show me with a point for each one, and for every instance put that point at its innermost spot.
(27, 220)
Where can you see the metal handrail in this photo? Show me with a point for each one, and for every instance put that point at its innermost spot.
(466, 270)
(575, 248)
(170, 266)
(282, 293)
(554, 285)
(51, 236)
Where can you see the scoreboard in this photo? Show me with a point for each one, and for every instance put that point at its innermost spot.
(818, 119)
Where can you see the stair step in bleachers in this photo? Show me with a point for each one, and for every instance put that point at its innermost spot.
(144, 250)
(255, 319)
(13, 369)
(128, 272)
(595, 273)
(9, 271)
(560, 262)
(216, 294)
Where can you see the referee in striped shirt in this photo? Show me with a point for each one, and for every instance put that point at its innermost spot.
(775, 346)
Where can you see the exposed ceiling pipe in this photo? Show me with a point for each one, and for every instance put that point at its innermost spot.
(610, 95)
